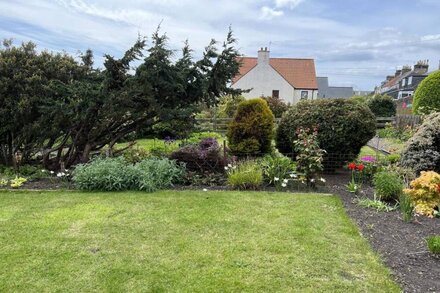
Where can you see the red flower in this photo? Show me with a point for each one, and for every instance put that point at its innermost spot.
(352, 166)
(361, 167)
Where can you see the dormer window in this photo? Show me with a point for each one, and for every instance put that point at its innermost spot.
(410, 80)
(403, 82)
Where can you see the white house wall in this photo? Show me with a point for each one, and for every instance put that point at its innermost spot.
(263, 79)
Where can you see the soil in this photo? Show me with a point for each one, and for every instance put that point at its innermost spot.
(402, 245)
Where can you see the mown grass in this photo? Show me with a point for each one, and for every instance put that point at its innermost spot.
(184, 241)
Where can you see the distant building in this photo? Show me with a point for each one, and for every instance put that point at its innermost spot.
(363, 93)
(290, 79)
(404, 82)
(332, 92)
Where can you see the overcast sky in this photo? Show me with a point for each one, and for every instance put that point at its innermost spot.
(354, 42)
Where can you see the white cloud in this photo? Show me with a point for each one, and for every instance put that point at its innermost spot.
(268, 13)
(287, 3)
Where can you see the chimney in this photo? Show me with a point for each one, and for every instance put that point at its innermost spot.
(263, 56)
(421, 66)
(398, 72)
(406, 69)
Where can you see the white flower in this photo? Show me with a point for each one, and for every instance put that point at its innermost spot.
(283, 184)
(322, 179)
(51, 172)
(285, 180)
(59, 174)
(43, 170)
(234, 167)
(293, 175)
(229, 165)
(276, 179)
(204, 189)
(312, 180)
(226, 168)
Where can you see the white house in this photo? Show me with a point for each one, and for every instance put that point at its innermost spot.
(290, 79)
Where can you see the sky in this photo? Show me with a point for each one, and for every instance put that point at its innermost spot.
(354, 42)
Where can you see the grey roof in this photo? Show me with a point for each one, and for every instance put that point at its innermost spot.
(331, 92)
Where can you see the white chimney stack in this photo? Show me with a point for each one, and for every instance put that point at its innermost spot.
(263, 56)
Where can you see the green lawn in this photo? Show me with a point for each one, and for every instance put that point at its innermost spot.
(190, 241)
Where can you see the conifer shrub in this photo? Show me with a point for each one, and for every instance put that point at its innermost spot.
(422, 151)
(344, 127)
(252, 129)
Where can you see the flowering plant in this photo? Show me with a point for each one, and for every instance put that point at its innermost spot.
(356, 177)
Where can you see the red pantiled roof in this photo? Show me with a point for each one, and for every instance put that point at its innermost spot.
(299, 73)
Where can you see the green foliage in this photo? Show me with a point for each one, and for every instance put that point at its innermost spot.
(361, 99)
(112, 174)
(422, 151)
(18, 182)
(65, 110)
(382, 106)
(246, 175)
(135, 154)
(376, 204)
(401, 134)
(393, 158)
(434, 244)
(228, 105)
(309, 155)
(277, 166)
(251, 131)
(427, 96)
(406, 207)
(276, 105)
(344, 127)
(196, 137)
(388, 185)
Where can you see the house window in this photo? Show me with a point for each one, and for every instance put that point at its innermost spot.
(410, 80)
(403, 82)
(304, 95)
(275, 94)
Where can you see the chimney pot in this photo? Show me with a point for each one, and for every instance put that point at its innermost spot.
(263, 56)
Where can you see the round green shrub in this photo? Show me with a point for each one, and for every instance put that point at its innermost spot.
(276, 105)
(344, 127)
(434, 244)
(422, 151)
(427, 96)
(382, 106)
(251, 130)
(388, 185)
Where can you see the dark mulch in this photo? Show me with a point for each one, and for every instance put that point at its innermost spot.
(402, 245)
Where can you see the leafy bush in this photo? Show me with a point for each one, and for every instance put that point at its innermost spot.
(196, 137)
(427, 96)
(276, 105)
(113, 174)
(246, 175)
(388, 185)
(382, 106)
(425, 193)
(309, 155)
(135, 154)
(402, 134)
(228, 105)
(18, 182)
(251, 131)
(277, 166)
(434, 244)
(344, 127)
(206, 156)
(422, 151)
(376, 204)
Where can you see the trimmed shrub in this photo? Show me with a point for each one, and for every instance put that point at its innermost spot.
(425, 193)
(114, 174)
(382, 106)
(344, 127)
(427, 96)
(388, 185)
(422, 151)
(251, 131)
(247, 175)
(434, 244)
(206, 156)
(276, 105)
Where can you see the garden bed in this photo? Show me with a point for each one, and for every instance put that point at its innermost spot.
(402, 245)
